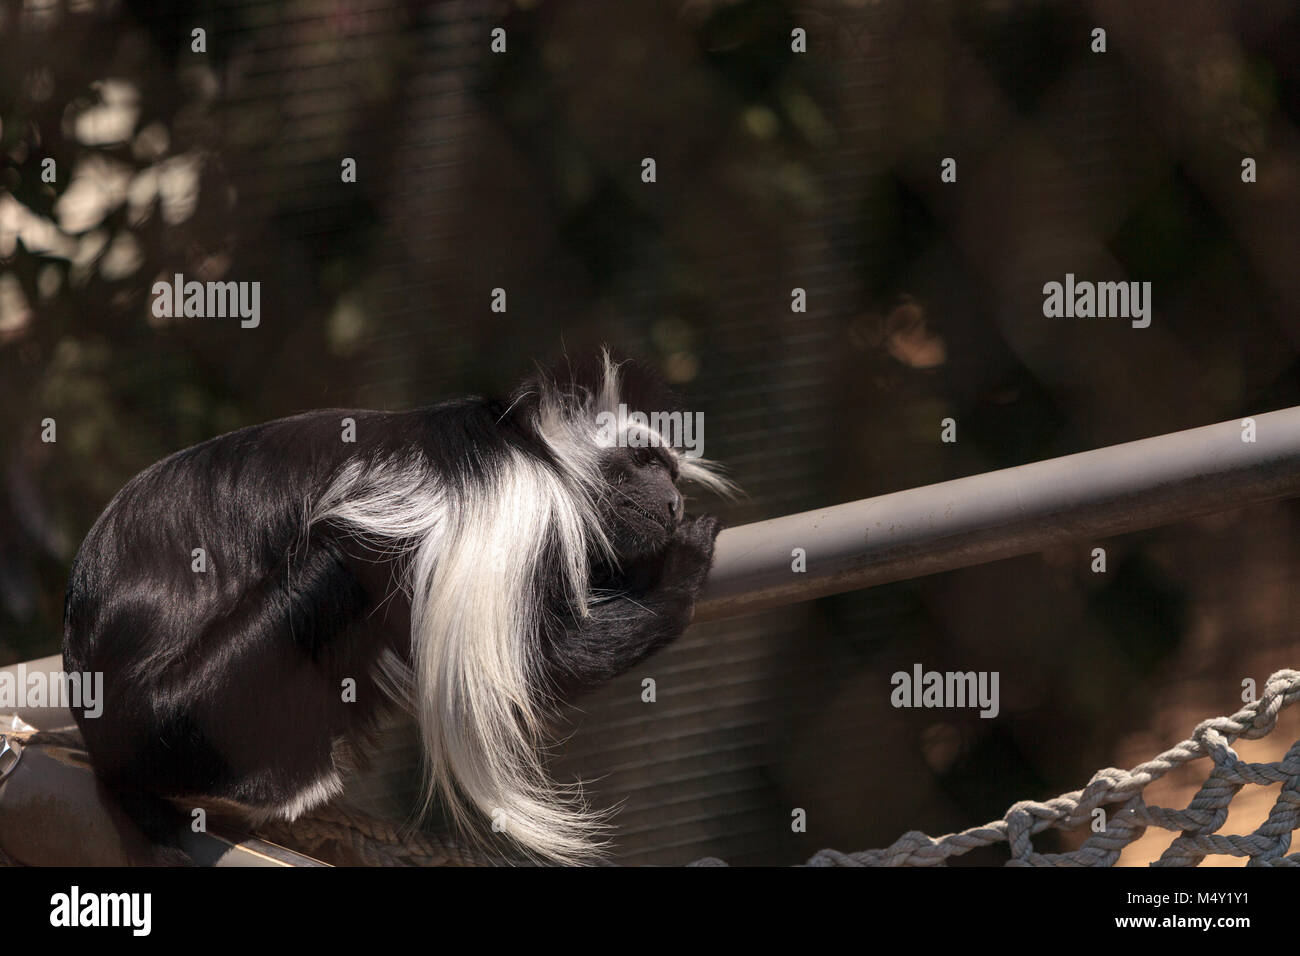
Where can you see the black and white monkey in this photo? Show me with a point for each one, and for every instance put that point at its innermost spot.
(477, 561)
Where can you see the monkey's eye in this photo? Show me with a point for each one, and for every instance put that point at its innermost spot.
(645, 456)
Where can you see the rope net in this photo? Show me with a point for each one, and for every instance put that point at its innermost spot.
(1197, 826)
(341, 836)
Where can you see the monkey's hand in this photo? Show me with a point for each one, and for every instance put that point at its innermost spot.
(690, 554)
(624, 630)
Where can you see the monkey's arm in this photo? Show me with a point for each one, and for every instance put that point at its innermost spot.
(627, 628)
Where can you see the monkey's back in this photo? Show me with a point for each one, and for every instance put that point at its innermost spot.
(225, 628)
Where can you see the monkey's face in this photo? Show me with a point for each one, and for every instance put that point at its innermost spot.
(642, 506)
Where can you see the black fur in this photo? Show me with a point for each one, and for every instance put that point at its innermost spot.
(226, 684)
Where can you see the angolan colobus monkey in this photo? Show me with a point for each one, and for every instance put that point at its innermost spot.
(478, 561)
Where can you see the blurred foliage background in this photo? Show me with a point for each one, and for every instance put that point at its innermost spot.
(776, 170)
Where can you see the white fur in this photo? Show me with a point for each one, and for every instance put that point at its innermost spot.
(321, 790)
(473, 578)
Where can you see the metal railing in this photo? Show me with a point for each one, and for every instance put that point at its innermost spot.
(1001, 514)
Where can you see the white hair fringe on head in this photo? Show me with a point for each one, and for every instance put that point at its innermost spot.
(476, 563)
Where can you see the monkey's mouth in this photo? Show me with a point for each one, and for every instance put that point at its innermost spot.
(662, 523)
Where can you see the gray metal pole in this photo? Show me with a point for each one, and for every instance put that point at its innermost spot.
(1089, 496)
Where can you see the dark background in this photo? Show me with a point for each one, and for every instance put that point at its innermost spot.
(775, 170)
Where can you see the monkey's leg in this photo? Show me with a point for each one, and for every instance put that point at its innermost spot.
(626, 629)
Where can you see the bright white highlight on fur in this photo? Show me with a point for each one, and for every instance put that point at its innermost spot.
(322, 790)
(476, 560)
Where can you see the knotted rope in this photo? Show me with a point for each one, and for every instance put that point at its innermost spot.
(1199, 823)
(349, 837)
